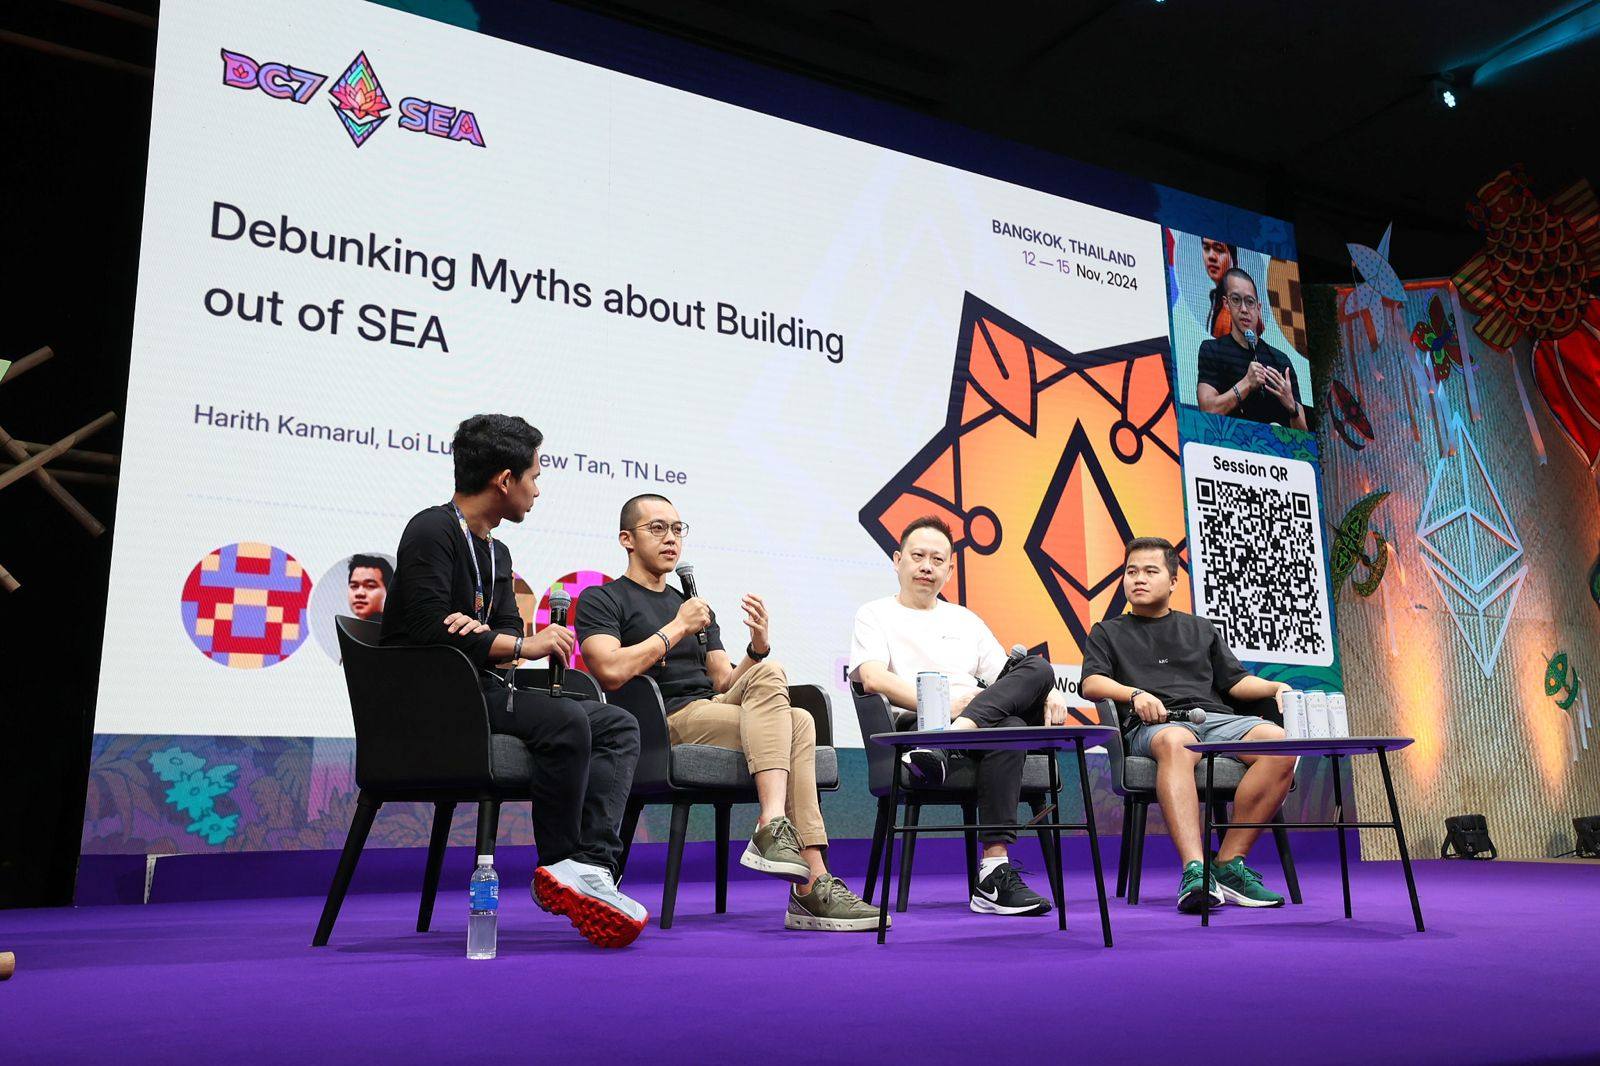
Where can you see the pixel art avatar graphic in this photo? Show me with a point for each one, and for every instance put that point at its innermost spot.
(1048, 463)
(244, 605)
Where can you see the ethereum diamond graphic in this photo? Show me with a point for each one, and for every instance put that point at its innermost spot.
(358, 100)
(1471, 549)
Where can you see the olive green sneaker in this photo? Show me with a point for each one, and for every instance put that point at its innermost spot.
(830, 907)
(774, 849)
(1242, 885)
(1189, 888)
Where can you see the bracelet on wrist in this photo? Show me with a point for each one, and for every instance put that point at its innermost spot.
(666, 646)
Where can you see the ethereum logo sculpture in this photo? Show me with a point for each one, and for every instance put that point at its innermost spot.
(1471, 549)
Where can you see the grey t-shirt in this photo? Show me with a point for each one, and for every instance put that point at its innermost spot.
(632, 613)
(1179, 658)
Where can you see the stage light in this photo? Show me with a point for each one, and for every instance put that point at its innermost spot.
(1586, 837)
(1466, 836)
(1444, 91)
(1449, 98)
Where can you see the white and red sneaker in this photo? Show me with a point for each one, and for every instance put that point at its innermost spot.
(588, 897)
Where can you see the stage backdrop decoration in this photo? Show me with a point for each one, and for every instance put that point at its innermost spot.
(806, 318)
(1477, 630)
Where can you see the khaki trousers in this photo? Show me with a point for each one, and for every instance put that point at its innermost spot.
(754, 717)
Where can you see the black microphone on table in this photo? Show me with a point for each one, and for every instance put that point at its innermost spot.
(686, 578)
(560, 601)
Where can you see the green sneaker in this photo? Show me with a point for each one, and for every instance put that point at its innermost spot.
(830, 907)
(1242, 885)
(774, 849)
(1189, 888)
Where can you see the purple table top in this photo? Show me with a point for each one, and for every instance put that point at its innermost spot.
(1304, 746)
(1027, 738)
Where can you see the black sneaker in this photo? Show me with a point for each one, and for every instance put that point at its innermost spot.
(927, 766)
(1004, 892)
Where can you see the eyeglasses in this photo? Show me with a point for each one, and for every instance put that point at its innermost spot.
(659, 529)
(1244, 303)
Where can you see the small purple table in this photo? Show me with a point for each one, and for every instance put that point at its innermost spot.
(1049, 738)
(1334, 748)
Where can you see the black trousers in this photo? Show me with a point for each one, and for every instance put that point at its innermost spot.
(583, 754)
(1014, 700)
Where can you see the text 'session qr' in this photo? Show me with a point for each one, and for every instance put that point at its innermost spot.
(1258, 550)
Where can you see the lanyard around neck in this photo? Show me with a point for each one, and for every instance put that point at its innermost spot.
(483, 595)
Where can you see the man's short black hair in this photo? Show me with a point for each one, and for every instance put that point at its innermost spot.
(484, 445)
(1169, 554)
(373, 562)
(630, 510)
(927, 521)
(1238, 272)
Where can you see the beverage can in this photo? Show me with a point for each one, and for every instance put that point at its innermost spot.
(933, 700)
(1292, 704)
(1317, 714)
(1338, 715)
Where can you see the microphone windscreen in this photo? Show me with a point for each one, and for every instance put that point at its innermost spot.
(1250, 337)
(1196, 716)
(560, 598)
(685, 570)
(1018, 652)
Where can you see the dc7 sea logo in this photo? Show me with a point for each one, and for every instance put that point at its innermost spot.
(357, 97)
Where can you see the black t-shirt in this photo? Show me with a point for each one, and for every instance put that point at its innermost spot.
(1179, 658)
(632, 613)
(1223, 361)
(433, 578)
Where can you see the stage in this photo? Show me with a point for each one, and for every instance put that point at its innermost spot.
(1500, 976)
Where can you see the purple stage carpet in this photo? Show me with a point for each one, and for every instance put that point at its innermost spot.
(1505, 973)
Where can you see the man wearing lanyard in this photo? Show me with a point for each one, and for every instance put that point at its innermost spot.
(453, 586)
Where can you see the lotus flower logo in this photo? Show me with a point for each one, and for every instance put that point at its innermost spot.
(358, 100)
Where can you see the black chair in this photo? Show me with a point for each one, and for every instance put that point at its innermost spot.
(422, 735)
(1133, 777)
(683, 775)
(1040, 781)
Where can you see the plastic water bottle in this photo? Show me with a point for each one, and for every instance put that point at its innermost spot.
(483, 894)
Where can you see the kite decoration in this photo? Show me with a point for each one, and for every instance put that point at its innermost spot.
(1532, 278)
(1349, 420)
(1350, 542)
(1437, 341)
(1563, 685)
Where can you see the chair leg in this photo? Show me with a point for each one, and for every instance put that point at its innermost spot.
(669, 891)
(1047, 847)
(969, 815)
(879, 830)
(724, 813)
(360, 825)
(1141, 815)
(630, 826)
(908, 854)
(1219, 815)
(442, 813)
(1122, 852)
(489, 826)
(1291, 879)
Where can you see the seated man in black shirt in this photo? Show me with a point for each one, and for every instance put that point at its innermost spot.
(1240, 374)
(1155, 660)
(639, 624)
(453, 586)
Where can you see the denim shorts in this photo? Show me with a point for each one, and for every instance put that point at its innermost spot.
(1216, 727)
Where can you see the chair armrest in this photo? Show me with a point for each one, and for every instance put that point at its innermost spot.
(814, 698)
(1111, 715)
(641, 697)
(419, 715)
(576, 682)
(875, 715)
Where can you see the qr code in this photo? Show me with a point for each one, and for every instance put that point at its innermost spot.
(1258, 574)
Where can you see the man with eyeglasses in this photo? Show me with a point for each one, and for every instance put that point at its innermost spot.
(639, 624)
(1240, 374)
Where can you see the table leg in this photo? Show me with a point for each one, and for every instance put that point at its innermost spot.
(1400, 838)
(1205, 843)
(1338, 816)
(888, 846)
(1094, 846)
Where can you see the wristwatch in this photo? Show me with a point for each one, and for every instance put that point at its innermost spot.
(750, 652)
(1136, 694)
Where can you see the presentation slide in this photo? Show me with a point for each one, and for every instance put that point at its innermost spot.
(362, 227)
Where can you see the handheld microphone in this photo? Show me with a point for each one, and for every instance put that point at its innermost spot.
(560, 601)
(1250, 339)
(686, 578)
(1196, 716)
(1018, 653)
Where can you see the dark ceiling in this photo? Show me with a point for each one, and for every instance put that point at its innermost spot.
(1320, 113)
